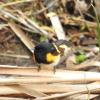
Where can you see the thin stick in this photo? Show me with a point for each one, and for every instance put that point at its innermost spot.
(33, 24)
(47, 76)
(22, 36)
(57, 25)
(14, 3)
(84, 65)
(82, 97)
(11, 98)
(62, 95)
(14, 55)
(61, 88)
(28, 90)
(46, 88)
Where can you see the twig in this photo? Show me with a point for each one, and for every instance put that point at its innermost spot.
(14, 3)
(46, 8)
(82, 97)
(62, 95)
(22, 36)
(57, 25)
(81, 21)
(22, 20)
(61, 87)
(28, 90)
(3, 25)
(12, 98)
(14, 55)
(33, 24)
(46, 88)
(83, 65)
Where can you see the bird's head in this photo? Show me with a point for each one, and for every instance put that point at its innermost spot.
(62, 46)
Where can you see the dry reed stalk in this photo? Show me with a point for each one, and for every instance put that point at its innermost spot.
(14, 3)
(84, 65)
(11, 98)
(81, 21)
(61, 88)
(7, 90)
(15, 89)
(57, 25)
(48, 75)
(40, 89)
(28, 90)
(63, 95)
(82, 97)
(33, 24)
(22, 36)
(15, 55)
(20, 89)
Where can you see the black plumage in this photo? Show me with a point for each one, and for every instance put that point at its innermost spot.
(42, 49)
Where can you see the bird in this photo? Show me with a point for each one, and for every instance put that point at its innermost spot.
(50, 53)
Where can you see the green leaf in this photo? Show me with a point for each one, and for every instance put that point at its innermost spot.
(80, 58)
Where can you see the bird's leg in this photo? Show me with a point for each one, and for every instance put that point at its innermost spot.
(54, 69)
(39, 67)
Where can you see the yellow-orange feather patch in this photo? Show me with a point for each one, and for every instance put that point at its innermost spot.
(51, 58)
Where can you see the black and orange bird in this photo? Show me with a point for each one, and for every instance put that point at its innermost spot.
(51, 53)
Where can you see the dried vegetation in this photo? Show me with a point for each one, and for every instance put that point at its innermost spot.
(23, 24)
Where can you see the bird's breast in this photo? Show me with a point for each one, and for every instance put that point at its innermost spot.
(51, 58)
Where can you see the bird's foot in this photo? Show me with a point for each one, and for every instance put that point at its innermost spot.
(39, 68)
(54, 70)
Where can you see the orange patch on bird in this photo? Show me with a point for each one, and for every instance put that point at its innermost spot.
(51, 58)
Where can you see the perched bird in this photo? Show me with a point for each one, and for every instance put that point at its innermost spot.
(51, 53)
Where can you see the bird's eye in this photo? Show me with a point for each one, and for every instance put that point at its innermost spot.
(54, 51)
